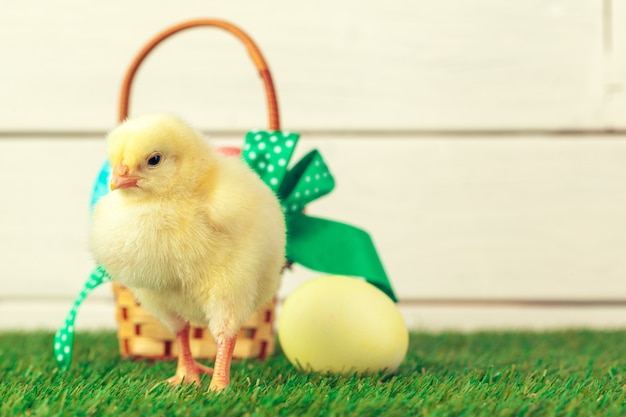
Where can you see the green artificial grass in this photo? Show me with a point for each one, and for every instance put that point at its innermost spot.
(573, 373)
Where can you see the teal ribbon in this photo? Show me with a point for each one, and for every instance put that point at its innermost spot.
(64, 337)
(319, 244)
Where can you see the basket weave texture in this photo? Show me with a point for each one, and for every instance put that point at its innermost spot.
(141, 335)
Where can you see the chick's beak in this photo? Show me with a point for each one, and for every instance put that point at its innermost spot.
(121, 178)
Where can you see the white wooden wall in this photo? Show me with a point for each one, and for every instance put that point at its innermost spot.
(482, 143)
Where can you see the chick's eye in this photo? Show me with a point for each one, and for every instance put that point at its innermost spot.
(154, 159)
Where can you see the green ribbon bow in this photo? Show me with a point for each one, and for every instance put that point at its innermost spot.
(318, 244)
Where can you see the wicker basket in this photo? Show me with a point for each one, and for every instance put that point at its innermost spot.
(140, 334)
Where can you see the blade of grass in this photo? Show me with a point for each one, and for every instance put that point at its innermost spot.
(570, 373)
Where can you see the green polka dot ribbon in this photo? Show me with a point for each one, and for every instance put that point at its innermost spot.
(64, 337)
(319, 244)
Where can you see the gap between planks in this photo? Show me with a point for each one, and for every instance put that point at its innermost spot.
(410, 302)
(353, 134)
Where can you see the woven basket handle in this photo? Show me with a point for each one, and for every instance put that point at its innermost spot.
(253, 50)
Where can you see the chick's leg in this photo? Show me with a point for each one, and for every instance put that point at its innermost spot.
(188, 370)
(221, 374)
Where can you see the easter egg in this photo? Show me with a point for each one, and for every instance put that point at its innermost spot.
(341, 324)
(229, 150)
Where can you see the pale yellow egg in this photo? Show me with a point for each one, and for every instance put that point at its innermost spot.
(341, 324)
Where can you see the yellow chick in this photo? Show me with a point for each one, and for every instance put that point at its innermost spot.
(197, 236)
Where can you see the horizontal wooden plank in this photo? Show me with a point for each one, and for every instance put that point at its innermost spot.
(504, 318)
(404, 65)
(97, 315)
(50, 315)
(534, 218)
(616, 55)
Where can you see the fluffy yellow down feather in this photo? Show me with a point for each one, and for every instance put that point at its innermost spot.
(197, 236)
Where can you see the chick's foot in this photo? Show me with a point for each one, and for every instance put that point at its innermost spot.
(188, 370)
(221, 377)
(189, 373)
